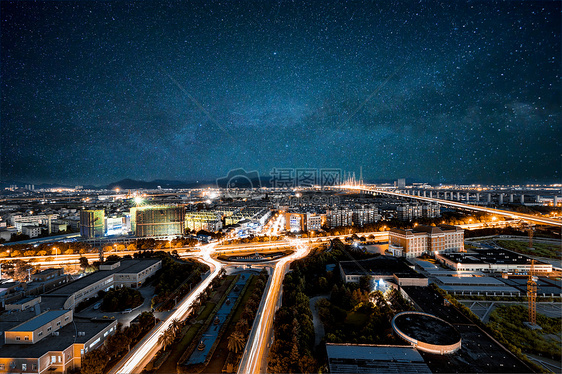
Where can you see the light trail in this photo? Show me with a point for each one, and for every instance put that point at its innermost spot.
(143, 351)
(256, 347)
(504, 213)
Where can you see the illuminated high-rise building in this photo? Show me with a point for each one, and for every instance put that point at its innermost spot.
(92, 223)
(160, 221)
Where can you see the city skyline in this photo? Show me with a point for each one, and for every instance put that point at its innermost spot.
(96, 92)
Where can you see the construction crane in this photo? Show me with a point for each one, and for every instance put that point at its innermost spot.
(532, 295)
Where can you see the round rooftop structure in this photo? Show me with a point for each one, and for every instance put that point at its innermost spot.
(427, 332)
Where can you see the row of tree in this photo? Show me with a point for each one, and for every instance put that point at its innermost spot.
(120, 299)
(44, 249)
(237, 340)
(293, 347)
(175, 279)
(116, 345)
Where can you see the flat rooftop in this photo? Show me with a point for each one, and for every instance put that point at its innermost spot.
(505, 290)
(470, 281)
(40, 320)
(380, 265)
(127, 266)
(490, 256)
(361, 358)
(47, 271)
(24, 300)
(67, 335)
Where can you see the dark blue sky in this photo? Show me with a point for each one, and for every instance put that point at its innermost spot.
(97, 91)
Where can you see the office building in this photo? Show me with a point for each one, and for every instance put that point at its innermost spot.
(425, 239)
(54, 340)
(493, 261)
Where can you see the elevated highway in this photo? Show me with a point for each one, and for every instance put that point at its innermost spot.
(458, 205)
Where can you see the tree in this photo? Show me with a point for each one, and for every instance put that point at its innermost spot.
(94, 361)
(365, 283)
(236, 342)
(112, 258)
(83, 262)
(166, 338)
(176, 326)
(118, 343)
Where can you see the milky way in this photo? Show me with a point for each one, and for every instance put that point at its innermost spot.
(97, 91)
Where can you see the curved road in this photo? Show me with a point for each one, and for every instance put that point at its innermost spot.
(143, 352)
(256, 347)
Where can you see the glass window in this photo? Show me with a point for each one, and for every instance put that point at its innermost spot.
(24, 367)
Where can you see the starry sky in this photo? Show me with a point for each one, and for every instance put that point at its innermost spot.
(96, 91)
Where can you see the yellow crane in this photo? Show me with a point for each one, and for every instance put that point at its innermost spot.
(532, 295)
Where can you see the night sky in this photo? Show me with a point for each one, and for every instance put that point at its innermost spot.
(97, 91)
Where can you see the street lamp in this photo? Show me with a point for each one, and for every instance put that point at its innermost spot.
(56, 252)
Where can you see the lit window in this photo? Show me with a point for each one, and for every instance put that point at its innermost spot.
(24, 367)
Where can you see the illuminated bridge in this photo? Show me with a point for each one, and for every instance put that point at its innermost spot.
(455, 204)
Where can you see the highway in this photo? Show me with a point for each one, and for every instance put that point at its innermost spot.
(142, 353)
(455, 204)
(256, 347)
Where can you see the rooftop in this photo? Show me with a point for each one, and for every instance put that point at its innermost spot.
(420, 229)
(40, 320)
(427, 328)
(24, 300)
(490, 256)
(359, 358)
(380, 265)
(475, 281)
(127, 266)
(67, 336)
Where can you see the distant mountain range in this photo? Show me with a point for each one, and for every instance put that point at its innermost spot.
(131, 184)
